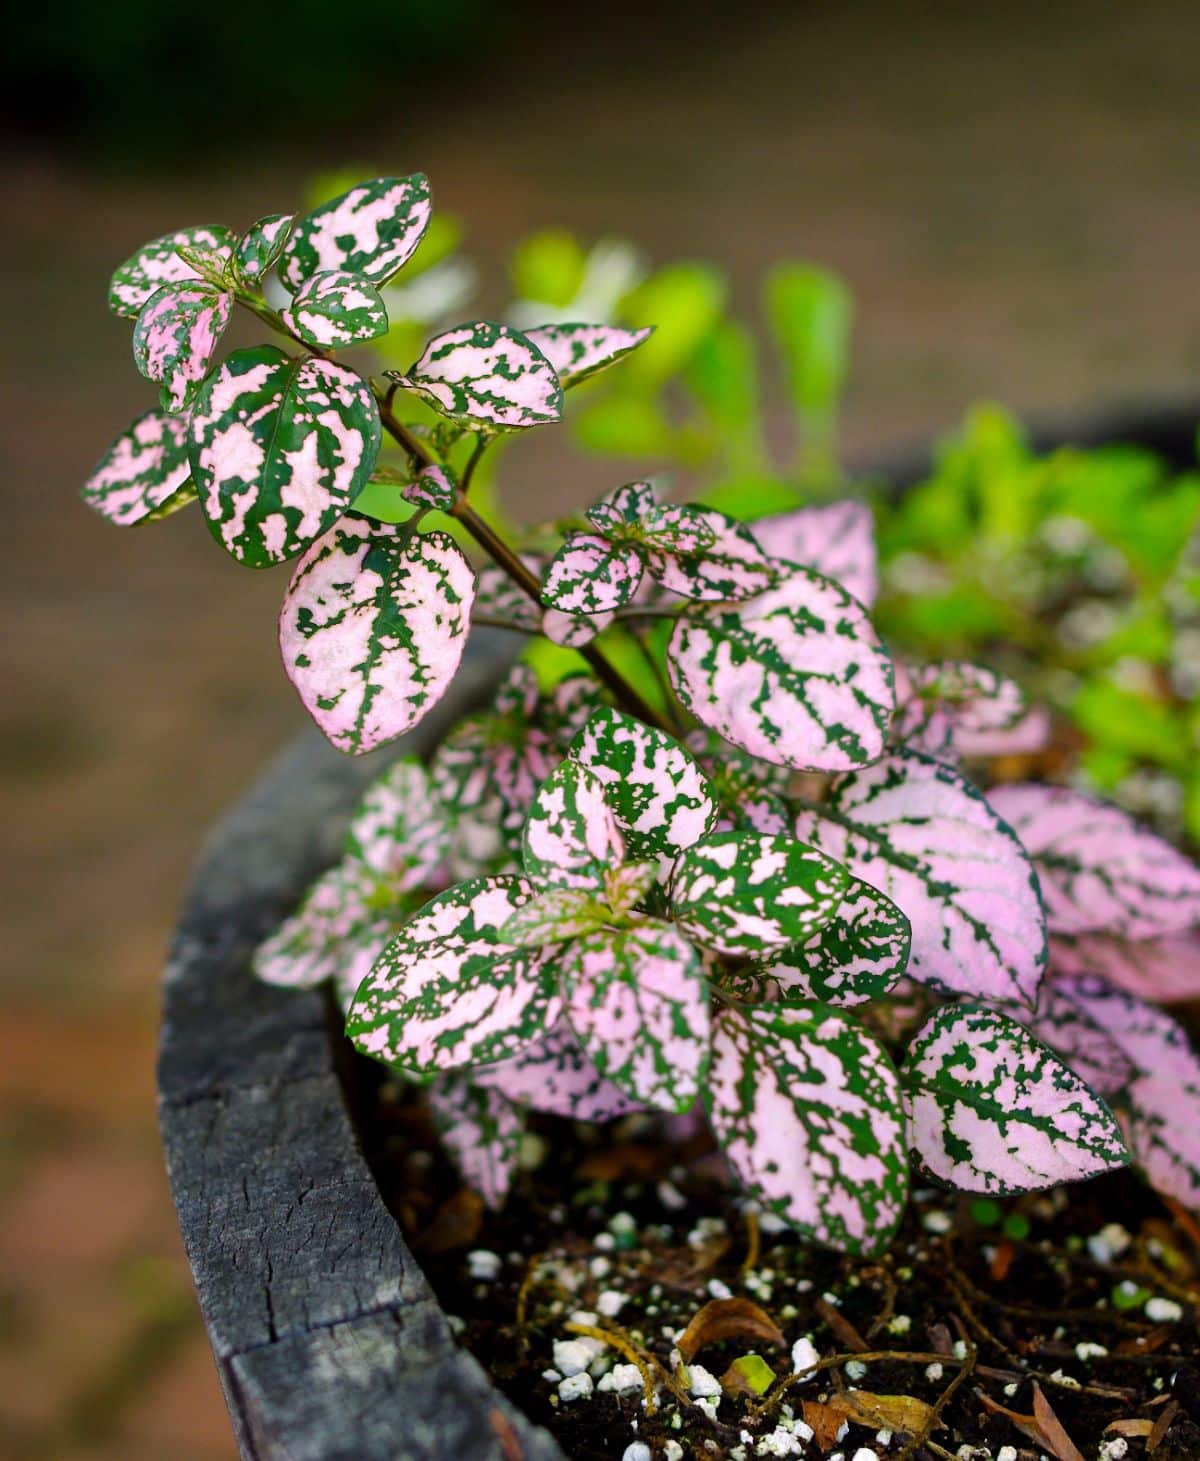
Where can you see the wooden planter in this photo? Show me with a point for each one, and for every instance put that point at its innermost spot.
(328, 1340)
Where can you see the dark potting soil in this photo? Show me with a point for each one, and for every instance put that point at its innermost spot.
(1060, 1325)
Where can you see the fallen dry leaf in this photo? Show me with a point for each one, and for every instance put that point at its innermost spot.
(728, 1319)
(825, 1421)
(902, 1413)
(1133, 1428)
(841, 1326)
(1161, 1426)
(1054, 1438)
(455, 1224)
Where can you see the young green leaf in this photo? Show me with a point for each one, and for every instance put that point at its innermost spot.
(144, 474)
(661, 799)
(259, 248)
(919, 832)
(571, 836)
(373, 628)
(552, 916)
(176, 337)
(553, 1074)
(796, 676)
(333, 309)
(158, 263)
(836, 540)
(372, 231)
(448, 992)
(279, 449)
(741, 893)
(808, 1109)
(857, 956)
(638, 1000)
(481, 1130)
(487, 376)
(992, 1110)
(578, 351)
(400, 830)
(811, 312)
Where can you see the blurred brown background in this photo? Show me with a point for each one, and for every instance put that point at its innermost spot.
(1014, 197)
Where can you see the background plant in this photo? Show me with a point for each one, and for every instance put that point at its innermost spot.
(649, 901)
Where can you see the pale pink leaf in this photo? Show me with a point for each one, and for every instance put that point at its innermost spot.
(1089, 1051)
(371, 230)
(1149, 1037)
(945, 708)
(159, 262)
(145, 473)
(486, 376)
(573, 631)
(482, 1132)
(401, 829)
(660, 797)
(836, 540)
(577, 351)
(373, 628)
(554, 1074)
(448, 992)
(992, 1110)
(1162, 1126)
(638, 1000)
(808, 1109)
(590, 576)
(498, 597)
(176, 337)
(1100, 871)
(731, 567)
(796, 676)
(918, 831)
(1160, 970)
(571, 836)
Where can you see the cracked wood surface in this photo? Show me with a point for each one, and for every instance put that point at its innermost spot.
(328, 1340)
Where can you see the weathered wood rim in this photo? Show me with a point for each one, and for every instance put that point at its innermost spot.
(329, 1343)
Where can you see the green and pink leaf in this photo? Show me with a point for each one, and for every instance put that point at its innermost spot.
(486, 376)
(372, 230)
(571, 836)
(577, 351)
(176, 337)
(145, 474)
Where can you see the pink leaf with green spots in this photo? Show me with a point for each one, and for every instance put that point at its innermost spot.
(1100, 871)
(589, 575)
(992, 1110)
(685, 532)
(796, 676)
(488, 377)
(660, 797)
(750, 792)
(638, 1000)
(807, 1107)
(1033, 732)
(732, 566)
(554, 1074)
(918, 831)
(176, 337)
(622, 512)
(1089, 1051)
(372, 230)
(448, 992)
(498, 597)
(259, 248)
(943, 709)
(400, 830)
(482, 1132)
(373, 628)
(1154, 1042)
(158, 263)
(333, 309)
(573, 631)
(280, 448)
(434, 487)
(741, 893)
(145, 474)
(578, 351)
(1161, 970)
(836, 540)
(857, 956)
(571, 836)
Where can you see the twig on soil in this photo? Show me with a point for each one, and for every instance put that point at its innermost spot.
(922, 1436)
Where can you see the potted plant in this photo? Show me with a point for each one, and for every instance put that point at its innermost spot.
(726, 888)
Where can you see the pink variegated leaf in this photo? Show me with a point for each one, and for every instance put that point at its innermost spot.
(482, 1132)
(1089, 1051)
(578, 351)
(621, 514)
(401, 830)
(554, 1074)
(681, 531)
(372, 231)
(145, 473)
(628, 885)
(159, 262)
(258, 250)
(448, 992)
(638, 1000)
(942, 707)
(732, 566)
(332, 309)
(750, 792)
(372, 629)
(836, 540)
(1100, 871)
(1160, 970)
(552, 916)
(857, 956)
(337, 933)
(176, 337)
(808, 1109)
(1033, 732)
(567, 708)
(571, 835)
(498, 597)
(489, 377)
(796, 676)
(992, 1110)
(590, 575)
(280, 448)
(918, 831)
(1147, 1036)
(661, 799)
(435, 488)
(741, 894)
(573, 631)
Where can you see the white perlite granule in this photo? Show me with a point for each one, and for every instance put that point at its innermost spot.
(575, 1387)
